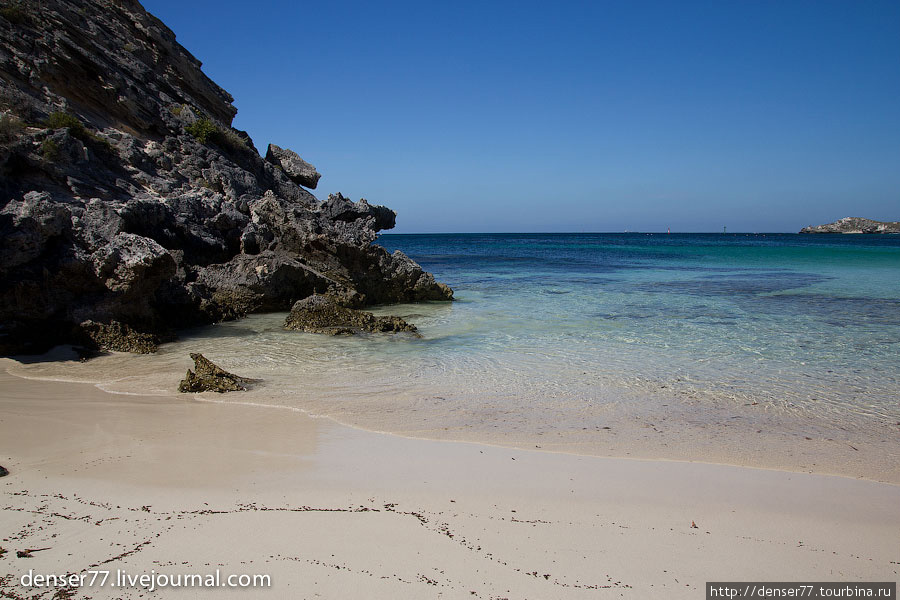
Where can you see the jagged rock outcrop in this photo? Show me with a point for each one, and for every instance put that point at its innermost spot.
(209, 377)
(325, 314)
(855, 225)
(126, 196)
(299, 171)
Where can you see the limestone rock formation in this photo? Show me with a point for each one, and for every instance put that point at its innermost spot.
(324, 314)
(855, 225)
(127, 197)
(208, 377)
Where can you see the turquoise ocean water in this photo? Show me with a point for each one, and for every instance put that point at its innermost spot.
(804, 322)
(578, 338)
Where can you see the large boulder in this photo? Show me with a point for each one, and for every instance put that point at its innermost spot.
(129, 259)
(297, 169)
(342, 209)
(265, 282)
(28, 226)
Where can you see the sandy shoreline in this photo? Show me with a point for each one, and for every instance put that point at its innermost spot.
(178, 486)
(622, 423)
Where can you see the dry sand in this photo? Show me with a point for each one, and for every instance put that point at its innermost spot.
(180, 486)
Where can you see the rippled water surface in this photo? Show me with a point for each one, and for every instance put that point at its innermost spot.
(807, 323)
(558, 333)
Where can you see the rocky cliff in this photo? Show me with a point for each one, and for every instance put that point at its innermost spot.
(855, 225)
(129, 206)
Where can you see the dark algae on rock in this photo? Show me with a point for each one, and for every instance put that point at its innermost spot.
(118, 337)
(324, 314)
(129, 205)
(209, 377)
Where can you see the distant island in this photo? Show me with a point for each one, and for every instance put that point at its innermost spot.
(855, 225)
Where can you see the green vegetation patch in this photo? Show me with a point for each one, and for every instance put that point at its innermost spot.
(50, 150)
(14, 12)
(10, 128)
(60, 120)
(203, 130)
(206, 131)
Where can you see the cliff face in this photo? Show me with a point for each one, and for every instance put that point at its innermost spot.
(855, 225)
(126, 197)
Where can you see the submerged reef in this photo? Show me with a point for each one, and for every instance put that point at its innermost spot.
(324, 314)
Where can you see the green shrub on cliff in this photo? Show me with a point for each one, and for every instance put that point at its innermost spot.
(10, 128)
(14, 12)
(205, 131)
(60, 120)
(230, 140)
(50, 150)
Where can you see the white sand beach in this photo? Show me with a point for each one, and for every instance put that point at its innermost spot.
(140, 485)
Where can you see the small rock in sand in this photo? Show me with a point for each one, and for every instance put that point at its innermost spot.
(210, 377)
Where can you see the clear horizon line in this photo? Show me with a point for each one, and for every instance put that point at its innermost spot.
(594, 232)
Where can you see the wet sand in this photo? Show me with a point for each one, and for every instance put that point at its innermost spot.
(180, 486)
(674, 423)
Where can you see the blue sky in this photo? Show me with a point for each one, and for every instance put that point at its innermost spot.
(572, 116)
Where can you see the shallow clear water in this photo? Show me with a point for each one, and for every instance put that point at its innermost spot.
(574, 333)
(807, 323)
